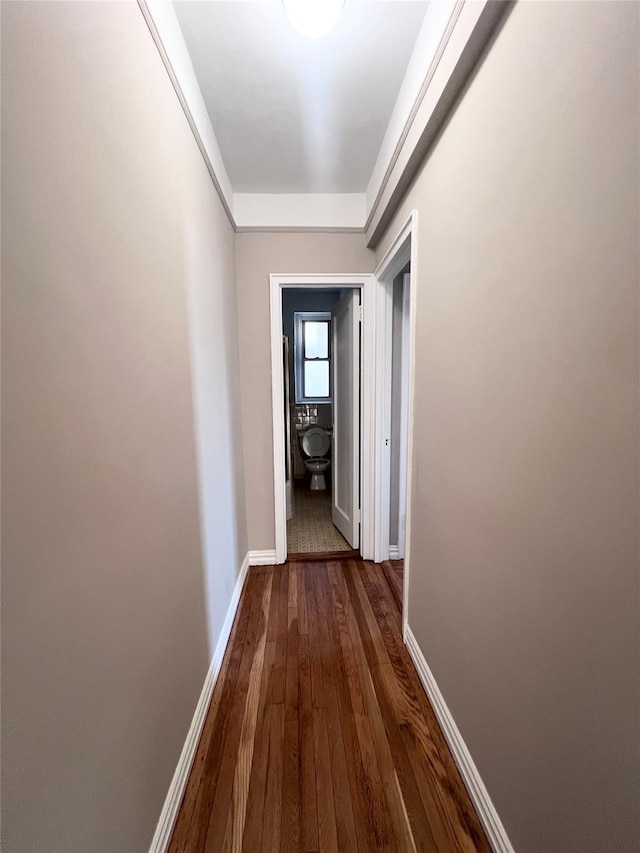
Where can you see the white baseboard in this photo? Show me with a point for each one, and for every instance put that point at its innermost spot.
(481, 800)
(262, 558)
(162, 835)
(394, 552)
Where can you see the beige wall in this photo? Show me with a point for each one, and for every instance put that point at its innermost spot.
(257, 255)
(120, 428)
(524, 546)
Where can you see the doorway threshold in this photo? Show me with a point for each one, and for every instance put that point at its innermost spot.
(324, 556)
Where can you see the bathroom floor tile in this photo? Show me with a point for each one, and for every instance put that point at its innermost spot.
(311, 529)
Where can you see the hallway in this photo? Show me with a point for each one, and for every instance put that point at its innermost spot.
(319, 736)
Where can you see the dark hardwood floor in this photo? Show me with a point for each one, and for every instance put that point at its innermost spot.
(394, 573)
(319, 736)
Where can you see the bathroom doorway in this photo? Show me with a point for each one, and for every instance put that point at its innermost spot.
(372, 502)
(321, 379)
(350, 478)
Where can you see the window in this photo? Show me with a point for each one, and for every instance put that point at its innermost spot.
(313, 356)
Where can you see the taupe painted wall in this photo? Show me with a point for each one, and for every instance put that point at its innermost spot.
(257, 255)
(120, 428)
(524, 553)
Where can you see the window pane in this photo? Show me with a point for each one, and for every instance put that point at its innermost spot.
(316, 379)
(316, 340)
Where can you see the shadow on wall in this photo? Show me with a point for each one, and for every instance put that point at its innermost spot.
(212, 313)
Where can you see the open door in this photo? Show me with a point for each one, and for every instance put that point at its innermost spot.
(345, 456)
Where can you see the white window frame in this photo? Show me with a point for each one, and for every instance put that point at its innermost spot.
(299, 318)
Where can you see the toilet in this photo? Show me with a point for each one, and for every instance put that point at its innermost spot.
(315, 443)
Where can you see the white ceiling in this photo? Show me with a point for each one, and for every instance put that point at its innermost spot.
(291, 114)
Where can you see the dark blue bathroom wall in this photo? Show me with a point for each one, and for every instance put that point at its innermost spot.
(306, 299)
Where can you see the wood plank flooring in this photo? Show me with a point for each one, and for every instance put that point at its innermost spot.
(319, 736)
(394, 573)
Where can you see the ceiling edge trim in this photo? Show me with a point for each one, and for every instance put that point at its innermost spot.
(455, 14)
(297, 229)
(164, 56)
(303, 210)
(470, 29)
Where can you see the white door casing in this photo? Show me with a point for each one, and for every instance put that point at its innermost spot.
(345, 456)
(365, 283)
(404, 415)
(374, 410)
(402, 251)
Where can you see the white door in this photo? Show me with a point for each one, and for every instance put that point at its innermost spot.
(345, 455)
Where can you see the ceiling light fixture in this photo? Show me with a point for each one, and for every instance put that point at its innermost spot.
(313, 18)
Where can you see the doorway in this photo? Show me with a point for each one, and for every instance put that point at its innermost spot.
(348, 481)
(395, 276)
(401, 292)
(321, 348)
(372, 506)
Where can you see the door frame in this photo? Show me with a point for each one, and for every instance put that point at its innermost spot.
(403, 250)
(365, 282)
(404, 414)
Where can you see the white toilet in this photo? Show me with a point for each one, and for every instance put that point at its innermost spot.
(316, 444)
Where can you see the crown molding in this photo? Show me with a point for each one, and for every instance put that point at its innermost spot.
(296, 229)
(452, 39)
(299, 210)
(434, 33)
(164, 27)
(468, 32)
